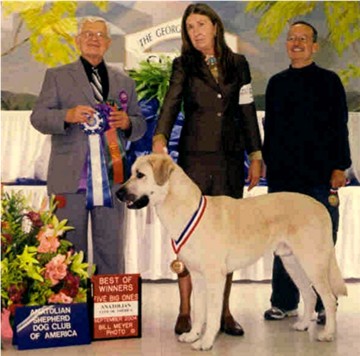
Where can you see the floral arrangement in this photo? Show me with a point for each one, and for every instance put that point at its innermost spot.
(38, 265)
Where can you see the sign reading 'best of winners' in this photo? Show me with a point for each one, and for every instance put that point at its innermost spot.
(117, 306)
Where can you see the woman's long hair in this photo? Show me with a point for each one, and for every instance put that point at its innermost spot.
(192, 56)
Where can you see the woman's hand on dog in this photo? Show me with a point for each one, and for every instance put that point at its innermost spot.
(159, 144)
(254, 173)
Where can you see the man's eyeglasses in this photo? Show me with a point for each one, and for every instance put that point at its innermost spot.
(301, 39)
(89, 35)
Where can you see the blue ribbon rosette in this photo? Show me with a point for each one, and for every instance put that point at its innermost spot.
(98, 191)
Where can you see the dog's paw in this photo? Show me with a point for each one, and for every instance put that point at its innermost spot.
(202, 345)
(189, 337)
(301, 325)
(325, 336)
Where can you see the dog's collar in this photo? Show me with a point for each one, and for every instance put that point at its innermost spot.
(190, 227)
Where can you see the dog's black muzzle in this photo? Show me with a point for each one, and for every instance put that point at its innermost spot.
(121, 194)
(130, 199)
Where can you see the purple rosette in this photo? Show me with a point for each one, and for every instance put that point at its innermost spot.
(123, 99)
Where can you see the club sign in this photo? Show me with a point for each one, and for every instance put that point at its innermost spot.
(51, 326)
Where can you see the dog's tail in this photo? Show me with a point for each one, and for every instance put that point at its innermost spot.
(337, 282)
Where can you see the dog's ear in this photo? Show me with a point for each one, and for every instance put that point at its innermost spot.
(162, 168)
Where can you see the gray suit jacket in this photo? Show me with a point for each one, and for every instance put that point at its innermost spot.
(66, 87)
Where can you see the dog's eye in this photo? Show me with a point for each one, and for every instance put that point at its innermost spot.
(139, 175)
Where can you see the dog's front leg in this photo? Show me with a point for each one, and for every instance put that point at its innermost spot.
(199, 308)
(215, 284)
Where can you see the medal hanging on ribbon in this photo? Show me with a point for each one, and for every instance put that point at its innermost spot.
(333, 198)
(177, 266)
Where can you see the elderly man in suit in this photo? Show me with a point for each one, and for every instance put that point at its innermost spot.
(65, 109)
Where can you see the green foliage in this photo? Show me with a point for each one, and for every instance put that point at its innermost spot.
(352, 71)
(276, 14)
(52, 28)
(152, 79)
(101, 5)
(342, 17)
(343, 20)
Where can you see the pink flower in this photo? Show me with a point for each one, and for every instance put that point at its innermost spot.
(6, 330)
(60, 298)
(56, 269)
(49, 241)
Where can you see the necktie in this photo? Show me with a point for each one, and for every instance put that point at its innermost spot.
(96, 85)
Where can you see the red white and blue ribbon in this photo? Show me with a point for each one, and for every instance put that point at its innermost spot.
(190, 227)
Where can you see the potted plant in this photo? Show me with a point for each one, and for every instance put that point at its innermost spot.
(152, 82)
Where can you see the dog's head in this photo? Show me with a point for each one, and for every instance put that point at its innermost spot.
(149, 181)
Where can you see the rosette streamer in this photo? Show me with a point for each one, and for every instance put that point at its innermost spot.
(98, 188)
(116, 157)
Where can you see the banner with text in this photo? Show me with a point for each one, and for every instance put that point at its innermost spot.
(142, 45)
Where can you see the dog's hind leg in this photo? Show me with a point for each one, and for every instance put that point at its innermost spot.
(303, 283)
(215, 284)
(199, 308)
(329, 301)
(328, 290)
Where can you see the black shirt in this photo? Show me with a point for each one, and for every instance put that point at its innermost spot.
(306, 134)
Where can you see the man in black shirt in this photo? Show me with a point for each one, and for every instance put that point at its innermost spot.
(306, 148)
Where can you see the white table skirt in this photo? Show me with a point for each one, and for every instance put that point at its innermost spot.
(148, 250)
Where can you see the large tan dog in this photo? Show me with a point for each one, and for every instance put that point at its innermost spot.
(234, 233)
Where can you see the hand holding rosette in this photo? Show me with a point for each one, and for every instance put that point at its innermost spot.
(119, 120)
(79, 114)
(118, 117)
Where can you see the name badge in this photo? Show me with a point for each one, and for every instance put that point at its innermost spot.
(246, 94)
